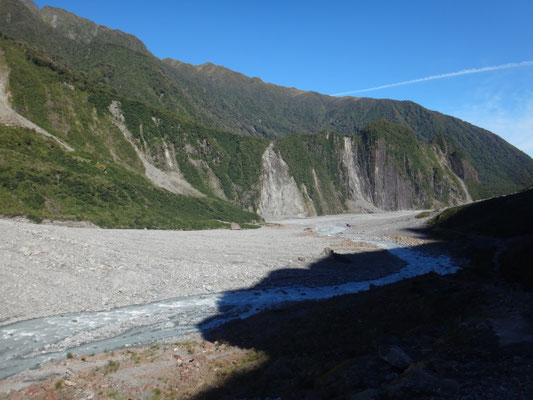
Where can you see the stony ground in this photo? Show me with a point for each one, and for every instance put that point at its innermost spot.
(52, 269)
(177, 370)
(429, 337)
(467, 336)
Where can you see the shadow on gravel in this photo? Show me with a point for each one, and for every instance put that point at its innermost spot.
(426, 337)
(332, 275)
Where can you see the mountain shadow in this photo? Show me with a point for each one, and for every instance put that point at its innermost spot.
(466, 335)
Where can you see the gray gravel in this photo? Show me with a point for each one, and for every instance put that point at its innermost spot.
(48, 269)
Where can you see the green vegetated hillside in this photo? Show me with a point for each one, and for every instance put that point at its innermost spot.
(41, 180)
(211, 125)
(507, 218)
(212, 161)
(106, 58)
(103, 180)
(504, 216)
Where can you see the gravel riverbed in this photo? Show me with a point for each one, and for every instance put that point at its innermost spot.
(50, 269)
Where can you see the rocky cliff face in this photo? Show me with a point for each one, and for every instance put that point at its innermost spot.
(363, 182)
(359, 196)
(384, 168)
(279, 193)
(388, 189)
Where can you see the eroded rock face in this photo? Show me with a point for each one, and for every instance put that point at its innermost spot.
(279, 193)
(172, 179)
(359, 199)
(389, 190)
(10, 117)
(371, 182)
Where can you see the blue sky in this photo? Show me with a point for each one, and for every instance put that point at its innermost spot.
(341, 46)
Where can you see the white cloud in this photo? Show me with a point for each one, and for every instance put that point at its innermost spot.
(443, 76)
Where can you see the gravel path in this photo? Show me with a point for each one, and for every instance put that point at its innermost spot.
(51, 269)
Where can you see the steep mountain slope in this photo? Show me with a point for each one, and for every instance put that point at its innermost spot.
(217, 97)
(249, 106)
(105, 57)
(325, 172)
(168, 125)
(93, 173)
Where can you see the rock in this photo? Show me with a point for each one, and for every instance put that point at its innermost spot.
(449, 386)
(368, 394)
(417, 381)
(391, 376)
(340, 258)
(394, 356)
(301, 258)
(327, 252)
(235, 226)
(25, 251)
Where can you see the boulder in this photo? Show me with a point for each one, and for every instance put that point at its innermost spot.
(417, 381)
(395, 356)
(368, 394)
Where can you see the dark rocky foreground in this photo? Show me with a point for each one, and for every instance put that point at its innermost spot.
(458, 337)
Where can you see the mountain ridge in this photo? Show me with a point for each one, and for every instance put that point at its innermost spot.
(80, 28)
(213, 126)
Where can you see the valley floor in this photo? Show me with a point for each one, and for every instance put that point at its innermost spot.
(51, 269)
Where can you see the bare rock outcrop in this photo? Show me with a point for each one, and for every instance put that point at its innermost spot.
(10, 117)
(359, 199)
(279, 193)
(368, 177)
(171, 180)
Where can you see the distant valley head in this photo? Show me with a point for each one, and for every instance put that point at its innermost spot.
(96, 128)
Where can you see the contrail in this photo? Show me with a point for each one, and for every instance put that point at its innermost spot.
(442, 76)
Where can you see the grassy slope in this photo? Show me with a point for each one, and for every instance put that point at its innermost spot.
(41, 92)
(505, 216)
(55, 99)
(39, 179)
(508, 217)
